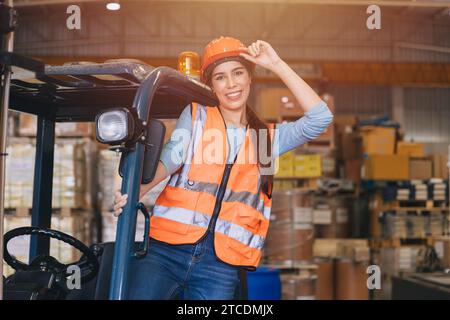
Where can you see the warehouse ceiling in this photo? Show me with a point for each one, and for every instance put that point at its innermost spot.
(300, 30)
(406, 3)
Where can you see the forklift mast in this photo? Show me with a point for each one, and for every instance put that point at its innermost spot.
(8, 22)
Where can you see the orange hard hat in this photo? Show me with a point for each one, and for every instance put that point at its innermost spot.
(220, 49)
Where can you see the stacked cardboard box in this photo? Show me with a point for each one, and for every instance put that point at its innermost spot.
(341, 247)
(403, 224)
(72, 173)
(440, 166)
(273, 102)
(307, 165)
(19, 173)
(285, 165)
(333, 215)
(301, 165)
(109, 227)
(378, 140)
(411, 149)
(327, 155)
(420, 168)
(110, 181)
(278, 104)
(386, 167)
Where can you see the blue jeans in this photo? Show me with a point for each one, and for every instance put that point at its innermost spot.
(192, 271)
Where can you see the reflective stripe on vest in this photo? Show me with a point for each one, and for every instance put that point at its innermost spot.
(179, 179)
(247, 198)
(202, 220)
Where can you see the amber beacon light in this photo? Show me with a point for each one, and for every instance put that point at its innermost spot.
(189, 64)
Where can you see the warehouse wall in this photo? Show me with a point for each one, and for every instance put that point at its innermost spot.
(426, 110)
(363, 101)
(427, 117)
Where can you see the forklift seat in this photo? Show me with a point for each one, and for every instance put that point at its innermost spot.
(97, 288)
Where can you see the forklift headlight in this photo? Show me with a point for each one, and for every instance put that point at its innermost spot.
(114, 126)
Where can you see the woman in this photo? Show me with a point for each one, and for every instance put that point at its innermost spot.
(212, 217)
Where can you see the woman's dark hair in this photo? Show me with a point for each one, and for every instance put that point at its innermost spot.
(255, 123)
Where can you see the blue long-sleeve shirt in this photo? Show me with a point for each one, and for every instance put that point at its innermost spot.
(287, 136)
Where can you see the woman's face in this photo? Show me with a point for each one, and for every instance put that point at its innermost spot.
(231, 81)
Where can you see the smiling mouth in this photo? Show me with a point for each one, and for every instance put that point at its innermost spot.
(234, 95)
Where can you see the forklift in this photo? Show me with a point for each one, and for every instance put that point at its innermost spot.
(125, 99)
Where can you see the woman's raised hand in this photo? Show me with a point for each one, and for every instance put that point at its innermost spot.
(262, 54)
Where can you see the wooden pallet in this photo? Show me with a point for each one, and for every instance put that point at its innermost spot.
(419, 206)
(398, 242)
(427, 204)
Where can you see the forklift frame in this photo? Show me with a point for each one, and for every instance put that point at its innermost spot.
(74, 93)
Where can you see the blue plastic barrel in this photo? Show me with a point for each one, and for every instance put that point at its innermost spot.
(264, 284)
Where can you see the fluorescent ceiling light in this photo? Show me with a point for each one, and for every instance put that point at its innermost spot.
(113, 6)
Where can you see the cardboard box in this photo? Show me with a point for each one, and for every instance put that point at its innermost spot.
(274, 103)
(72, 173)
(440, 166)
(278, 103)
(387, 167)
(333, 247)
(356, 252)
(420, 169)
(307, 165)
(410, 149)
(285, 165)
(378, 140)
(344, 123)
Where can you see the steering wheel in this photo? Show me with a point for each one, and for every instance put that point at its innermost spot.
(88, 262)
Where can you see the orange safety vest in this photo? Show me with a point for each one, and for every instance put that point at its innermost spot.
(184, 209)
